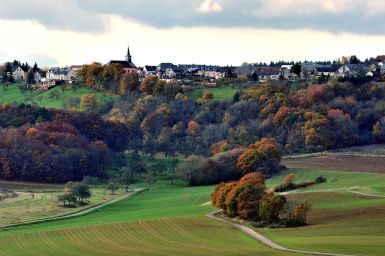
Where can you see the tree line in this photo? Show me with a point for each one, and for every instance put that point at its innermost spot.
(302, 118)
(43, 145)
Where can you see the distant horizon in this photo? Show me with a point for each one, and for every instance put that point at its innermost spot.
(31, 63)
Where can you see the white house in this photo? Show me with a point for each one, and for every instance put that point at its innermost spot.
(61, 74)
(150, 70)
(19, 74)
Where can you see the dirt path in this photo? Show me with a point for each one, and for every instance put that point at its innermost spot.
(75, 214)
(264, 240)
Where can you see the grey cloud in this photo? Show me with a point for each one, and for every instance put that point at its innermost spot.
(57, 14)
(86, 15)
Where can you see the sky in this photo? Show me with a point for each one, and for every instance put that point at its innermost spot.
(218, 32)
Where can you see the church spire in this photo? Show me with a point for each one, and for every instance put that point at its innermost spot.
(128, 56)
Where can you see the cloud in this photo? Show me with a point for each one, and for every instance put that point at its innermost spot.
(209, 6)
(94, 16)
(58, 14)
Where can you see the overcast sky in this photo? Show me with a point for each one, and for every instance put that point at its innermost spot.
(68, 32)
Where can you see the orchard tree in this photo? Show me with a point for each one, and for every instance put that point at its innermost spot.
(127, 177)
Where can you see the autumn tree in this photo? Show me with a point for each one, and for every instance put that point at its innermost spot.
(148, 84)
(270, 207)
(264, 156)
(128, 83)
(88, 101)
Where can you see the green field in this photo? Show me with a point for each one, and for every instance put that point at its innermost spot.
(340, 221)
(39, 201)
(14, 95)
(221, 93)
(170, 220)
(160, 221)
(372, 183)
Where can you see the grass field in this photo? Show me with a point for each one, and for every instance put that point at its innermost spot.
(221, 93)
(161, 221)
(339, 222)
(39, 201)
(14, 95)
(364, 182)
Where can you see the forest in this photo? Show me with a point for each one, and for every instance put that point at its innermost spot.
(43, 145)
(152, 117)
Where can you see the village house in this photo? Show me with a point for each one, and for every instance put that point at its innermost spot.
(127, 64)
(149, 70)
(325, 71)
(19, 74)
(61, 74)
(352, 70)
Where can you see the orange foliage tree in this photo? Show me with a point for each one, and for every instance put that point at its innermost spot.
(264, 156)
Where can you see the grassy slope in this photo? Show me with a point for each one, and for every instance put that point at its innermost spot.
(364, 182)
(161, 221)
(340, 222)
(222, 93)
(44, 203)
(42, 99)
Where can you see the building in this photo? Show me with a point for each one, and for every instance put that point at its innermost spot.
(150, 70)
(19, 74)
(127, 64)
(325, 71)
(61, 74)
(380, 58)
(352, 70)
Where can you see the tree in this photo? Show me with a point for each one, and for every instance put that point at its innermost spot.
(289, 179)
(127, 177)
(208, 96)
(270, 208)
(128, 83)
(264, 156)
(112, 186)
(296, 69)
(249, 200)
(81, 191)
(88, 101)
(148, 84)
(67, 197)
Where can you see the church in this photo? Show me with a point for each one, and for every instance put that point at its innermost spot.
(127, 64)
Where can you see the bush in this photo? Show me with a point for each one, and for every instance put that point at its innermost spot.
(320, 179)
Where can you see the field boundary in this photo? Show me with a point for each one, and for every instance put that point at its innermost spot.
(310, 155)
(252, 233)
(74, 214)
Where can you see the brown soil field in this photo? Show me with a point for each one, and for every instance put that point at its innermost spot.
(371, 164)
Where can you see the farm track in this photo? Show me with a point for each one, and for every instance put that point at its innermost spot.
(263, 239)
(270, 243)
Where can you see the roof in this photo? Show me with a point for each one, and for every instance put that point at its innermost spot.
(225, 69)
(380, 58)
(326, 69)
(16, 67)
(269, 69)
(268, 73)
(150, 68)
(125, 64)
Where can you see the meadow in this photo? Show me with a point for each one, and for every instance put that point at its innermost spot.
(159, 221)
(39, 201)
(339, 221)
(45, 99)
(220, 93)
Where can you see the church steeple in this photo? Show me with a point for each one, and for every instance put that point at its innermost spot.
(128, 56)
